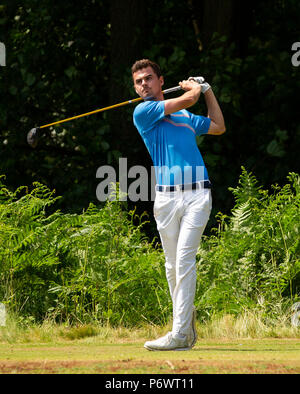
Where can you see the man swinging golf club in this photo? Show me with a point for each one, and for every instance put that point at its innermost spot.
(183, 197)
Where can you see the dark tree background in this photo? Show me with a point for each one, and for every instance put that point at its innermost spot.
(67, 58)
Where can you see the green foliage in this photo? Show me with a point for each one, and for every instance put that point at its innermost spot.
(98, 266)
(253, 260)
(78, 267)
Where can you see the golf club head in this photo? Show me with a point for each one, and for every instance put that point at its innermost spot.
(33, 137)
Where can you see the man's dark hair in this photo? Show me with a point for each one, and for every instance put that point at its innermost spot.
(143, 63)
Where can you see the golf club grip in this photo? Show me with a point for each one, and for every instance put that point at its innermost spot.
(170, 90)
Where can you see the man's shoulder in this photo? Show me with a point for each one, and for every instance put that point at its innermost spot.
(147, 114)
(147, 108)
(144, 105)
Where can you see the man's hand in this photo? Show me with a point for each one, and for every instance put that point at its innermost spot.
(189, 85)
(204, 85)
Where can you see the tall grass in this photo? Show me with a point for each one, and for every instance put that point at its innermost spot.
(97, 267)
(249, 324)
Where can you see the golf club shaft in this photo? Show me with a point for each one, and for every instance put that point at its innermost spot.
(170, 90)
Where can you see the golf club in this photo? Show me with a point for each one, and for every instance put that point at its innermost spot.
(35, 133)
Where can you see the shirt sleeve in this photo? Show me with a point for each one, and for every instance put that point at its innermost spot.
(147, 114)
(200, 123)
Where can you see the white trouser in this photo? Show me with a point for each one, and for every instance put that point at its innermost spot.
(181, 217)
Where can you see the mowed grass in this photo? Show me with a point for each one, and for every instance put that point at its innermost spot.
(105, 350)
(275, 356)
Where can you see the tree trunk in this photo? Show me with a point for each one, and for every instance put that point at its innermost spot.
(226, 17)
(217, 17)
(126, 44)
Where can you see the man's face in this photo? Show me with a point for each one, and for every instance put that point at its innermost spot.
(147, 83)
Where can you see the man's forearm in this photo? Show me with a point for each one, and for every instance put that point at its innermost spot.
(193, 95)
(213, 109)
(186, 100)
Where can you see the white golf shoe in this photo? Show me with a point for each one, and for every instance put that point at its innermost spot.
(168, 342)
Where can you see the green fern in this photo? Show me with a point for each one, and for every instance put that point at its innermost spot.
(76, 267)
(98, 265)
(248, 187)
(256, 257)
(241, 215)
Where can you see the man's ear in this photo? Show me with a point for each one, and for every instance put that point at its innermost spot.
(161, 78)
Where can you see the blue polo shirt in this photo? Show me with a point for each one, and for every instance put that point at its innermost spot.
(171, 142)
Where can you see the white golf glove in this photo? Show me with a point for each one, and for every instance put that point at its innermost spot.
(204, 85)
